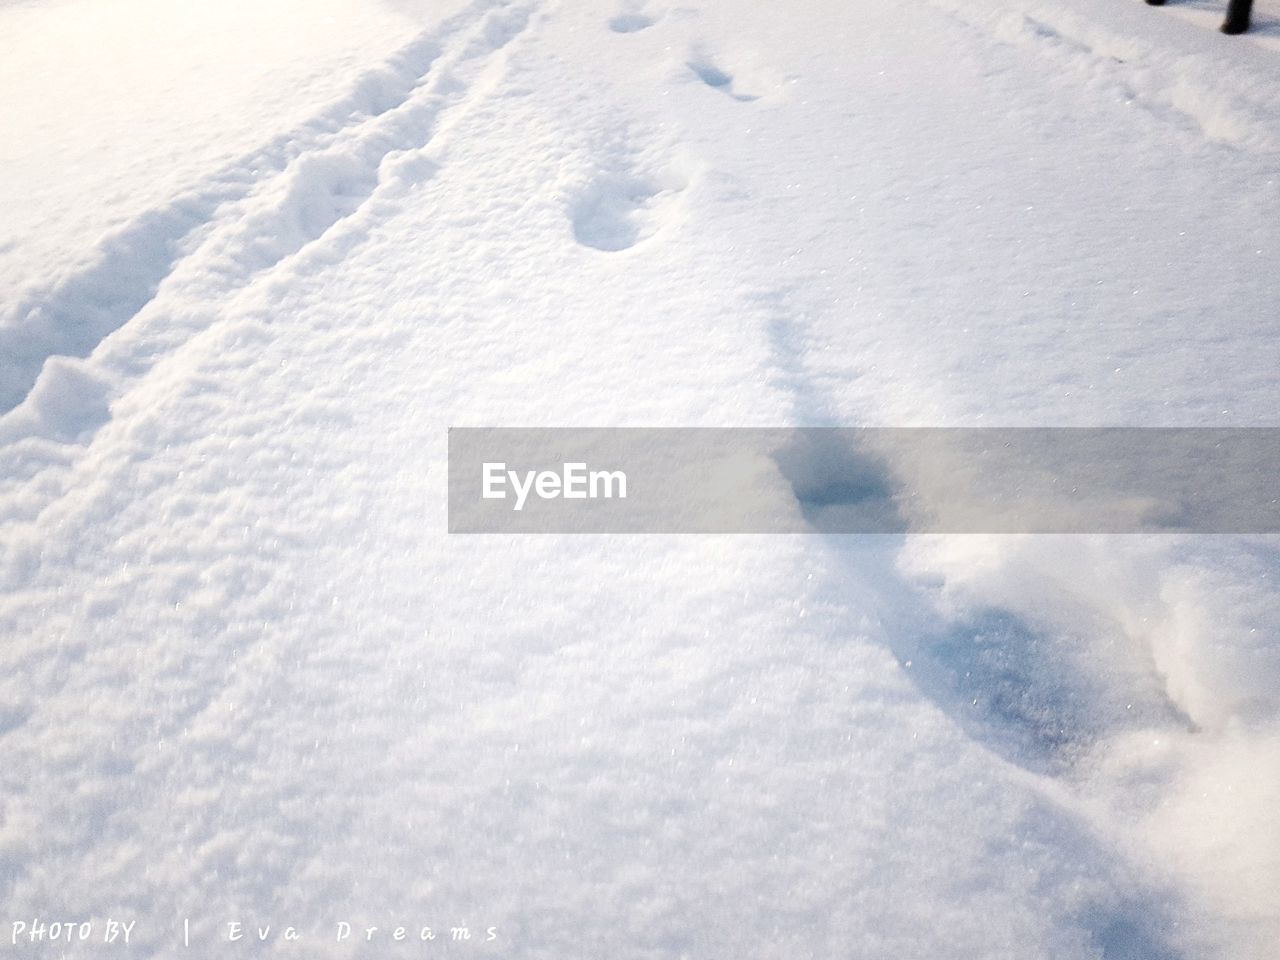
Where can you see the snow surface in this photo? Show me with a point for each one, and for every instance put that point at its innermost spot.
(257, 257)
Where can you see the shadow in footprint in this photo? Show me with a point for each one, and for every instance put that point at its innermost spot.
(630, 23)
(608, 217)
(1006, 686)
(1034, 697)
(839, 487)
(618, 211)
(718, 79)
(1126, 935)
(12, 717)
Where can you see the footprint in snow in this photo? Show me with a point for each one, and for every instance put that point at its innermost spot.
(618, 210)
(706, 70)
(630, 23)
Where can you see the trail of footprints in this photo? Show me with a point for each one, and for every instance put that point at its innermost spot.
(248, 218)
(628, 203)
(271, 205)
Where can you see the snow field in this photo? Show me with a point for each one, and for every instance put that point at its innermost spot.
(251, 677)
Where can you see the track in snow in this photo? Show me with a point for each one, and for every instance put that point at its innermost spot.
(257, 212)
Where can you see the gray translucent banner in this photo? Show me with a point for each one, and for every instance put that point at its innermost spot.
(875, 480)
